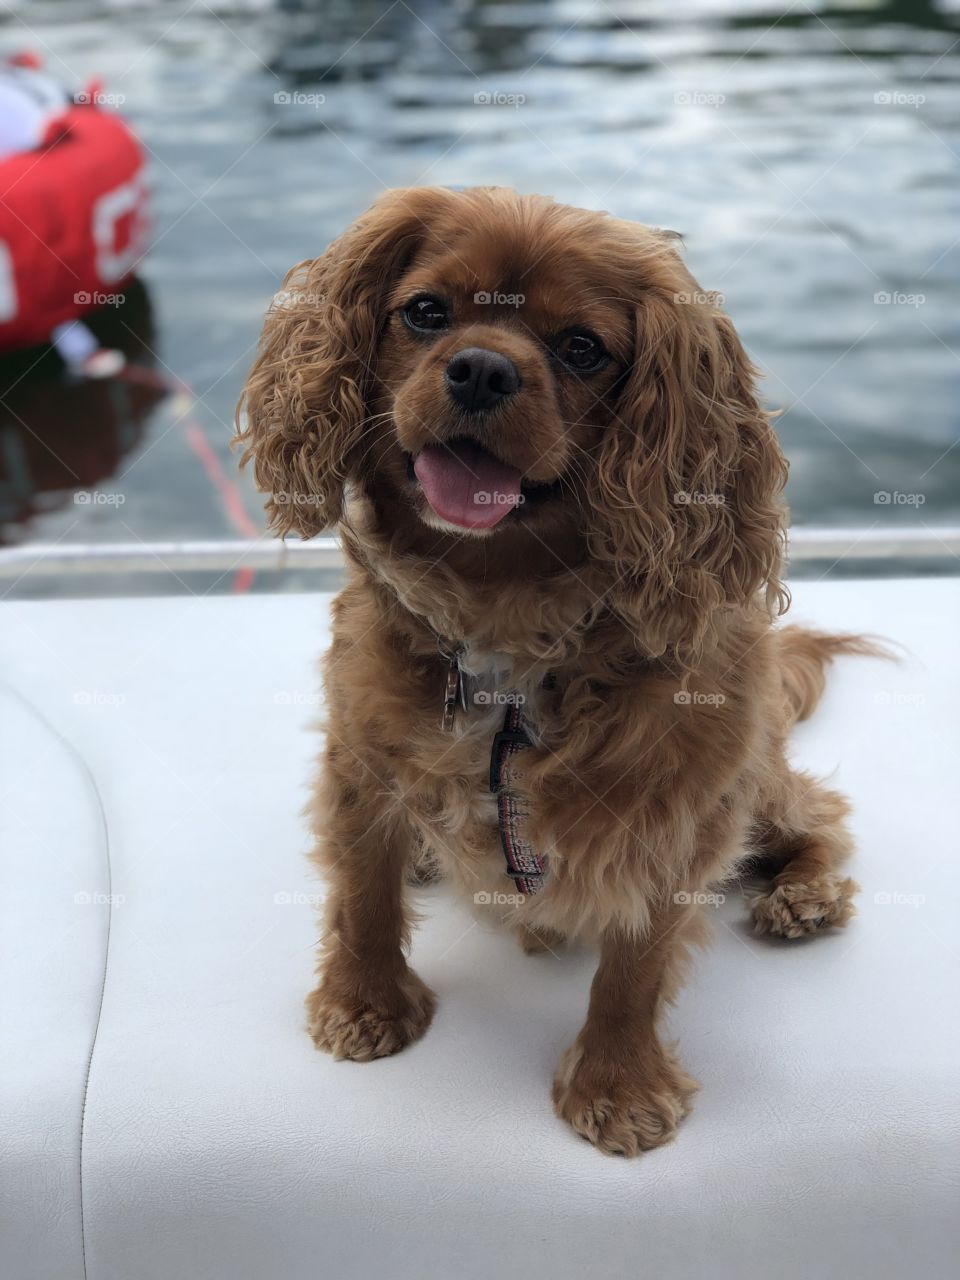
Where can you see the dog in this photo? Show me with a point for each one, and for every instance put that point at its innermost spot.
(555, 674)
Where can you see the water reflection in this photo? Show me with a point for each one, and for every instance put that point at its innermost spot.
(62, 438)
(808, 154)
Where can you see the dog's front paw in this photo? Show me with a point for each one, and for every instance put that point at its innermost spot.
(626, 1111)
(793, 910)
(350, 1026)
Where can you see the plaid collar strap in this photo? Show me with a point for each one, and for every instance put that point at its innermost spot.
(525, 866)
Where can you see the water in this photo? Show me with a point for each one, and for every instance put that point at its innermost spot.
(808, 154)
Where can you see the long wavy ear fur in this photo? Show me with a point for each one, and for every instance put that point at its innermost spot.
(303, 407)
(687, 491)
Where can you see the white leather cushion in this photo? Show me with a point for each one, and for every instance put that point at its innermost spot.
(54, 921)
(219, 1145)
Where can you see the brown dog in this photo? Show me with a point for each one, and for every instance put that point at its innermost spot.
(560, 500)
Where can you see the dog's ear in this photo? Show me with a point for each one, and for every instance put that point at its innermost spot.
(304, 405)
(687, 491)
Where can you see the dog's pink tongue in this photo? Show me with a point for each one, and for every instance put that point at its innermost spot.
(467, 486)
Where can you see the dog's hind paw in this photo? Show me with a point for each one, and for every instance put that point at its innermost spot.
(351, 1027)
(794, 910)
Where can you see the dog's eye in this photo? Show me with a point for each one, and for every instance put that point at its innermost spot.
(581, 351)
(426, 313)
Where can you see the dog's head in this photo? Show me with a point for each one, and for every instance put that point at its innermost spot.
(491, 364)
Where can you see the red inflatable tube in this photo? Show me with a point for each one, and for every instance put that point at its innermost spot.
(73, 225)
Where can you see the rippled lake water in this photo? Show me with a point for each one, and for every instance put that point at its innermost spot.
(807, 153)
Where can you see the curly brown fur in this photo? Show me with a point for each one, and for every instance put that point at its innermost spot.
(641, 572)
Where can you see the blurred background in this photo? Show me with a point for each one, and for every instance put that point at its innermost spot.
(807, 152)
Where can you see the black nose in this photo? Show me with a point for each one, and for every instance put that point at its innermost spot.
(479, 379)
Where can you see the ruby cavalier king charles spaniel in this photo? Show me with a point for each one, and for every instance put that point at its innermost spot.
(555, 677)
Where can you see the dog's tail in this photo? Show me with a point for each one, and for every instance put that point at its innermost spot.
(804, 658)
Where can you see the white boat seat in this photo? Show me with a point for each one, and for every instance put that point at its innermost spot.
(218, 1144)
